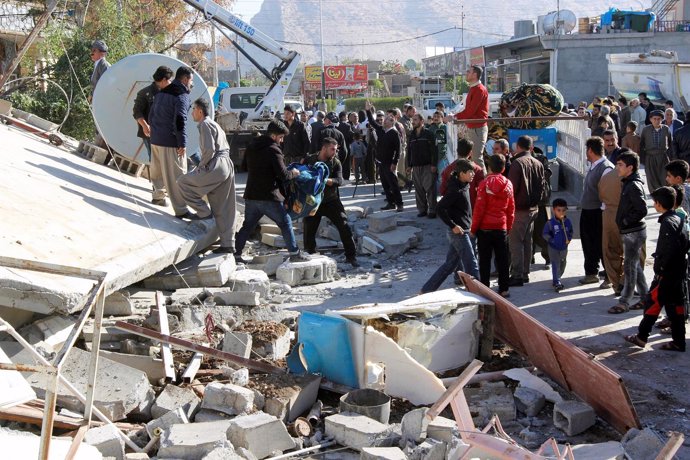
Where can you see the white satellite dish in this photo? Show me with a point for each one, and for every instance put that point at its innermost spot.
(113, 102)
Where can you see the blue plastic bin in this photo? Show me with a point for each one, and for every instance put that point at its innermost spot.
(546, 139)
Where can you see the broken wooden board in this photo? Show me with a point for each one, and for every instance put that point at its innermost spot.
(562, 361)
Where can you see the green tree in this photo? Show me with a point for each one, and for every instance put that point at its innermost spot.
(461, 86)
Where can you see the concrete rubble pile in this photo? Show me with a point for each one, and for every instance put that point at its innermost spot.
(226, 408)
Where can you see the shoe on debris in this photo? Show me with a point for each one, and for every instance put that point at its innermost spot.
(187, 215)
(300, 256)
(589, 279)
(353, 261)
(161, 202)
(388, 207)
(239, 259)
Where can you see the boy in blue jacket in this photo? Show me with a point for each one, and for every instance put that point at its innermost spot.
(558, 232)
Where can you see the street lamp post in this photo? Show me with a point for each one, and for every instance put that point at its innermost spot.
(323, 63)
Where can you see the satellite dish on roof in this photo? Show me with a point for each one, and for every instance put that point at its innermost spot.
(113, 102)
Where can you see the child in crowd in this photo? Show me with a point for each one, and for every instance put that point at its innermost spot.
(558, 232)
(456, 212)
(669, 275)
(359, 153)
(631, 140)
(492, 219)
(677, 172)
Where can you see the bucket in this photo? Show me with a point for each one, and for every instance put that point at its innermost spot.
(371, 403)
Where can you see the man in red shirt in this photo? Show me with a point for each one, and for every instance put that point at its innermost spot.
(476, 108)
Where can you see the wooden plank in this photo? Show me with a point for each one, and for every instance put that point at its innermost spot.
(562, 361)
(455, 387)
(76, 442)
(191, 346)
(166, 351)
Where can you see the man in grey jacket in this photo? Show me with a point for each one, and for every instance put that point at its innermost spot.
(99, 50)
(214, 178)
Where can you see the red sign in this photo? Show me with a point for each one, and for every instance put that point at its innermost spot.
(477, 56)
(337, 76)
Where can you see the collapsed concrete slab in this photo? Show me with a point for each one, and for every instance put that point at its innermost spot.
(398, 240)
(260, 433)
(212, 270)
(111, 230)
(382, 222)
(119, 389)
(193, 441)
(320, 269)
(49, 334)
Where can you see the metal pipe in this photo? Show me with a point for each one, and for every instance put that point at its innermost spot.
(303, 451)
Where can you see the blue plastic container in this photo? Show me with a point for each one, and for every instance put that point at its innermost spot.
(323, 347)
(546, 139)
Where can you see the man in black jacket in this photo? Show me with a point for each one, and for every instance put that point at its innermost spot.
(681, 141)
(630, 215)
(422, 158)
(387, 156)
(348, 133)
(316, 128)
(140, 112)
(296, 142)
(330, 129)
(331, 206)
(263, 195)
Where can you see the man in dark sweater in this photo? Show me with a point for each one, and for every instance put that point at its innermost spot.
(296, 143)
(456, 212)
(263, 195)
(331, 206)
(422, 158)
(632, 209)
(387, 155)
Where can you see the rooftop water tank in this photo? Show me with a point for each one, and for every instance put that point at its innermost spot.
(559, 22)
(523, 28)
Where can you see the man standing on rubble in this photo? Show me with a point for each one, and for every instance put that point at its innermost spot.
(168, 120)
(142, 108)
(331, 206)
(476, 108)
(388, 148)
(213, 178)
(263, 195)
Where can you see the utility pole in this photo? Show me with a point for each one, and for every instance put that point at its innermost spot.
(215, 56)
(323, 62)
(462, 27)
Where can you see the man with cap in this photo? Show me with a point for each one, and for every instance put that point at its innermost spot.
(655, 147)
(296, 142)
(330, 129)
(98, 52)
(142, 108)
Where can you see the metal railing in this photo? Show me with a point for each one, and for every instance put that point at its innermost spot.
(572, 135)
(672, 26)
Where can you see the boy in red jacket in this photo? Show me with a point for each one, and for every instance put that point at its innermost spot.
(492, 219)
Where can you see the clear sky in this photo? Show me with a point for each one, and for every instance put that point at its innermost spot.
(246, 8)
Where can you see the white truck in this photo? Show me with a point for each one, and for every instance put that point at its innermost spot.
(249, 110)
(657, 73)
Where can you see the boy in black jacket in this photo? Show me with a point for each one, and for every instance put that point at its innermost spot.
(456, 212)
(669, 273)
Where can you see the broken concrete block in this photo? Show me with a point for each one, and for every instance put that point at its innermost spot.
(277, 407)
(174, 417)
(355, 431)
(320, 269)
(215, 269)
(246, 454)
(196, 272)
(395, 242)
(173, 397)
(442, 429)
(143, 411)
(329, 232)
(273, 239)
(489, 400)
(642, 444)
(250, 281)
(270, 228)
(381, 222)
(239, 377)
(137, 456)
(267, 263)
(238, 343)
(414, 425)
(528, 380)
(50, 333)
(230, 399)
(209, 415)
(573, 417)
(260, 433)
(355, 213)
(382, 453)
(528, 401)
(222, 453)
(286, 396)
(227, 297)
(153, 367)
(259, 400)
(430, 449)
(125, 303)
(269, 339)
(371, 246)
(107, 440)
(119, 389)
(192, 441)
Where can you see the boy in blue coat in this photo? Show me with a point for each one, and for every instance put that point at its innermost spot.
(558, 232)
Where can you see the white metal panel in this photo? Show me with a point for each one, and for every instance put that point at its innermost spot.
(113, 102)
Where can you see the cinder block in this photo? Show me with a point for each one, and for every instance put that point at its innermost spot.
(238, 343)
(355, 431)
(250, 281)
(382, 453)
(381, 222)
(99, 155)
(319, 269)
(528, 401)
(414, 425)
(239, 298)
(230, 399)
(193, 441)
(174, 417)
(573, 417)
(173, 397)
(260, 433)
(273, 240)
(107, 440)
